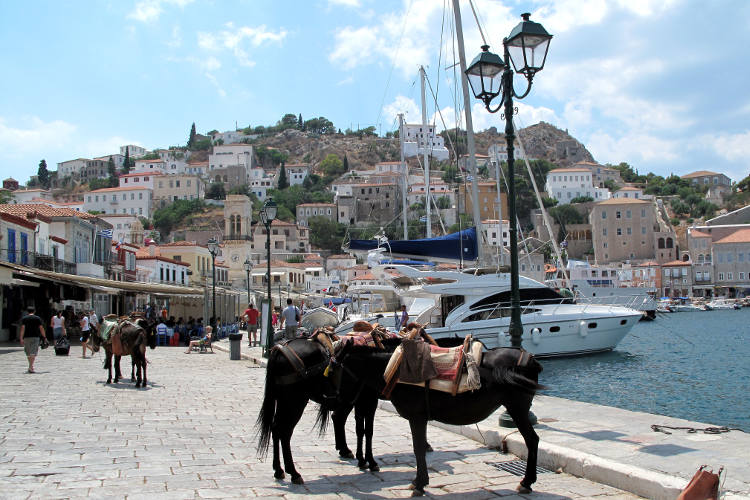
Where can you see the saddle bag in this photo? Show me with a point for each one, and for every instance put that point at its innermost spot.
(703, 486)
(62, 346)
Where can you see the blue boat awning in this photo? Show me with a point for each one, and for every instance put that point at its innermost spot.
(455, 246)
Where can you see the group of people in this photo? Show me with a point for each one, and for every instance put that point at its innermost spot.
(33, 334)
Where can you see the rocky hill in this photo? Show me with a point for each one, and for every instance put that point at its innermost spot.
(541, 141)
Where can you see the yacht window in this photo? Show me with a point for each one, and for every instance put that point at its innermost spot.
(623, 321)
(497, 312)
(592, 325)
(554, 329)
(527, 295)
(448, 303)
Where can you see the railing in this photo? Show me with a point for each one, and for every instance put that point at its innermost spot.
(39, 261)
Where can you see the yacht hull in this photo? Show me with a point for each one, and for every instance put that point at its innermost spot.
(547, 334)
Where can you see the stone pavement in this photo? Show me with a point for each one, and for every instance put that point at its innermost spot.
(189, 434)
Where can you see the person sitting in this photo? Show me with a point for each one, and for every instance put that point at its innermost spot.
(199, 342)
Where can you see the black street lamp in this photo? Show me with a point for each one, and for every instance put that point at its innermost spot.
(248, 267)
(490, 76)
(213, 249)
(267, 215)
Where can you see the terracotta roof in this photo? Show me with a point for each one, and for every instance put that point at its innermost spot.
(739, 236)
(317, 204)
(699, 234)
(340, 256)
(649, 263)
(557, 170)
(388, 163)
(182, 244)
(630, 188)
(676, 263)
(58, 239)
(23, 209)
(623, 201)
(699, 173)
(366, 276)
(141, 174)
(204, 163)
(150, 161)
(236, 144)
(139, 256)
(107, 190)
(588, 163)
(367, 184)
(16, 219)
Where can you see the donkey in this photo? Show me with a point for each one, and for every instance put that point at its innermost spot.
(135, 335)
(509, 377)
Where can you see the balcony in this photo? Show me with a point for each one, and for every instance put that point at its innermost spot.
(43, 262)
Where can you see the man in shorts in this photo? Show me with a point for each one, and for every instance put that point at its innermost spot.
(290, 317)
(32, 332)
(251, 318)
(85, 334)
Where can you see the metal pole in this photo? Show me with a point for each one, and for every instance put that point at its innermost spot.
(516, 327)
(405, 177)
(248, 286)
(213, 300)
(269, 336)
(499, 212)
(469, 128)
(428, 232)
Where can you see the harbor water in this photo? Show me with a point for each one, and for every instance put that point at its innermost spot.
(691, 365)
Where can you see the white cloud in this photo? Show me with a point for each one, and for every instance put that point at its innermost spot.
(346, 81)
(234, 40)
(147, 11)
(344, 3)
(633, 148)
(176, 40)
(404, 105)
(105, 146)
(732, 147)
(34, 134)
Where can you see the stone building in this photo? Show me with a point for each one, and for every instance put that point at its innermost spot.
(307, 210)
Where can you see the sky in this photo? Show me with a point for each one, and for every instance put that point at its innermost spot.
(659, 84)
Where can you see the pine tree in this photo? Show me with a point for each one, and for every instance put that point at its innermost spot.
(126, 163)
(191, 139)
(283, 182)
(43, 174)
(346, 164)
(300, 123)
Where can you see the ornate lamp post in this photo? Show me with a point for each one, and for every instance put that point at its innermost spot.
(213, 249)
(248, 267)
(490, 76)
(267, 215)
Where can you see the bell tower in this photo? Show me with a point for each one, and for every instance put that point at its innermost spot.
(237, 244)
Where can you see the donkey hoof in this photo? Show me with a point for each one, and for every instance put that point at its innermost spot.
(429, 448)
(346, 454)
(362, 465)
(416, 492)
(298, 480)
(279, 474)
(375, 468)
(108, 382)
(523, 489)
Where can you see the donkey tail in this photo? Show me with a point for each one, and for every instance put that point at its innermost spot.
(264, 422)
(504, 375)
(322, 420)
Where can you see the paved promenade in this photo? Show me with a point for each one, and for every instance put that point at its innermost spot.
(189, 434)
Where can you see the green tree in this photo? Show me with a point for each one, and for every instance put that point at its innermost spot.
(346, 163)
(450, 175)
(215, 191)
(581, 199)
(111, 168)
(176, 214)
(326, 233)
(289, 120)
(332, 166)
(43, 174)
(126, 163)
(300, 123)
(566, 214)
(443, 202)
(191, 138)
(320, 125)
(283, 182)
(240, 189)
(202, 145)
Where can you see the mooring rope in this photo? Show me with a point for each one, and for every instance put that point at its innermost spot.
(693, 430)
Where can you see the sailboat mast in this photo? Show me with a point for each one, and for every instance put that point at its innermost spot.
(405, 177)
(469, 129)
(428, 204)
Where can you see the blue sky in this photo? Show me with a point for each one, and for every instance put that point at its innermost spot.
(660, 84)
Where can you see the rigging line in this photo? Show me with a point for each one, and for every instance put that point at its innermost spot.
(440, 114)
(393, 61)
(476, 18)
(518, 221)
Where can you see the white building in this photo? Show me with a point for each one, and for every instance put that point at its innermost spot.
(629, 192)
(119, 200)
(418, 191)
(230, 137)
(231, 155)
(491, 230)
(418, 138)
(27, 195)
(117, 158)
(160, 269)
(175, 161)
(139, 179)
(197, 168)
(132, 150)
(70, 167)
(149, 167)
(565, 184)
(123, 227)
(296, 173)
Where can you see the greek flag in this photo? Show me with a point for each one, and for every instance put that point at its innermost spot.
(105, 233)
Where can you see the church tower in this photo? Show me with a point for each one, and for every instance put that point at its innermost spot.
(237, 245)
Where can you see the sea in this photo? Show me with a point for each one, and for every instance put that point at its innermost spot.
(690, 365)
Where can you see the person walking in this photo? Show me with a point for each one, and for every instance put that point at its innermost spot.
(85, 334)
(404, 317)
(93, 322)
(396, 320)
(57, 323)
(290, 317)
(32, 332)
(251, 319)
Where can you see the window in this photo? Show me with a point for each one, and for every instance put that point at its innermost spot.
(721, 258)
(604, 215)
(742, 276)
(730, 257)
(629, 231)
(140, 196)
(618, 215)
(619, 231)
(721, 276)
(643, 229)
(729, 277)
(628, 214)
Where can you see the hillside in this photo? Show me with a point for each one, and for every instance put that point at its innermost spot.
(540, 141)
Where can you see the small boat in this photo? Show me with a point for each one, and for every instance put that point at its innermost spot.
(319, 317)
(722, 304)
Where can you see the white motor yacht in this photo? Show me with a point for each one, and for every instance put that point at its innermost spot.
(481, 305)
